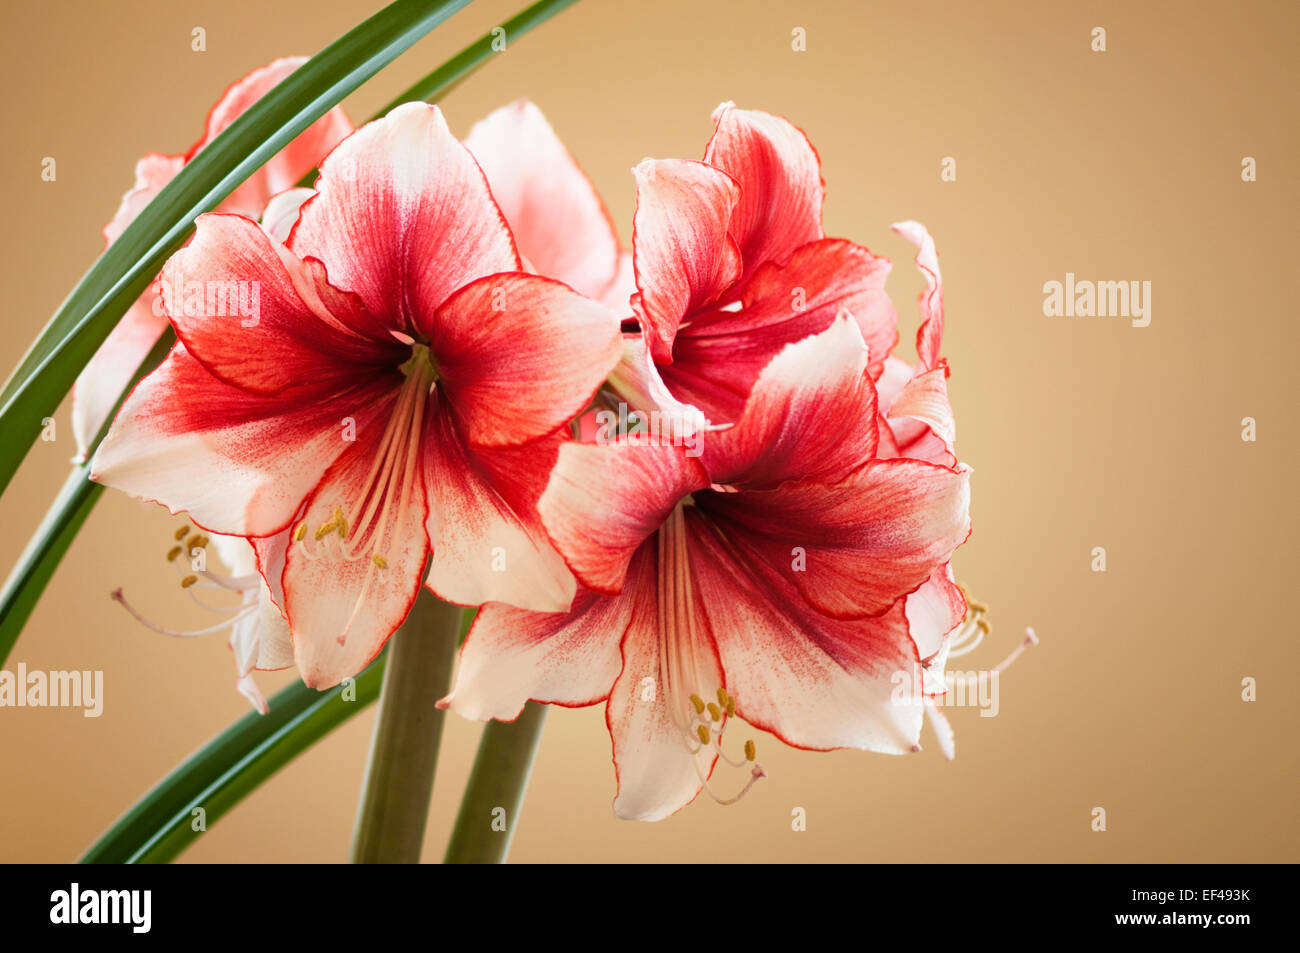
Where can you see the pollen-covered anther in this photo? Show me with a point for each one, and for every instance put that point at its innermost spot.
(751, 750)
(300, 533)
(189, 581)
(379, 561)
(702, 732)
(714, 712)
(698, 704)
(325, 529)
(173, 553)
(181, 533)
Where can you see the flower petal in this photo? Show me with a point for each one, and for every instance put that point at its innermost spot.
(854, 548)
(810, 416)
(719, 354)
(488, 541)
(814, 681)
(151, 173)
(110, 370)
(403, 217)
(929, 336)
(260, 320)
(559, 221)
(286, 167)
(602, 502)
(925, 399)
(779, 174)
(519, 356)
(345, 594)
(682, 256)
(564, 658)
(657, 773)
(240, 464)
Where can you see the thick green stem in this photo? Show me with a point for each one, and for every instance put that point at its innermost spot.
(404, 750)
(489, 809)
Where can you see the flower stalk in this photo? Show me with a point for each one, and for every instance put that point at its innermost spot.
(404, 749)
(489, 809)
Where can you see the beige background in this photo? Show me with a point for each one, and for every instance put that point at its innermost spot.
(1082, 432)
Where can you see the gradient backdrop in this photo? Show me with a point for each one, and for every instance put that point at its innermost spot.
(1083, 432)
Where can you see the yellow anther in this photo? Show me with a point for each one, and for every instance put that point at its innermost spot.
(731, 706)
(173, 553)
(698, 702)
(180, 533)
(301, 532)
(983, 626)
(715, 712)
(379, 561)
(325, 529)
(751, 751)
(203, 542)
(189, 581)
(343, 527)
(703, 732)
(722, 697)
(194, 542)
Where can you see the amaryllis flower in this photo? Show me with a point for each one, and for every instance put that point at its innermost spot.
(769, 586)
(259, 637)
(106, 375)
(731, 264)
(399, 401)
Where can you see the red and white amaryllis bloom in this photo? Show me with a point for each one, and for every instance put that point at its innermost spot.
(399, 401)
(770, 585)
(731, 264)
(106, 375)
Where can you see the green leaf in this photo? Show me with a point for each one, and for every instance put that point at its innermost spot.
(127, 266)
(161, 824)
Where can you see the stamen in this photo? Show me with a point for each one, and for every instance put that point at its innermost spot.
(180, 533)
(379, 561)
(173, 553)
(219, 627)
(189, 581)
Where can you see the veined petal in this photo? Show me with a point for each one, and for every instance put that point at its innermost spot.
(814, 681)
(563, 658)
(781, 187)
(810, 416)
(925, 398)
(488, 541)
(636, 379)
(239, 463)
(559, 222)
(258, 319)
(720, 353)
(349, 585)
(933, 611)
(519, 356)
(282, 212)
(151, 173)
(929, 336)
(110, 370)
(286, 167)
(602, 502)
(853, 548)
(403, 217)
(657, 771)
(682, 256)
